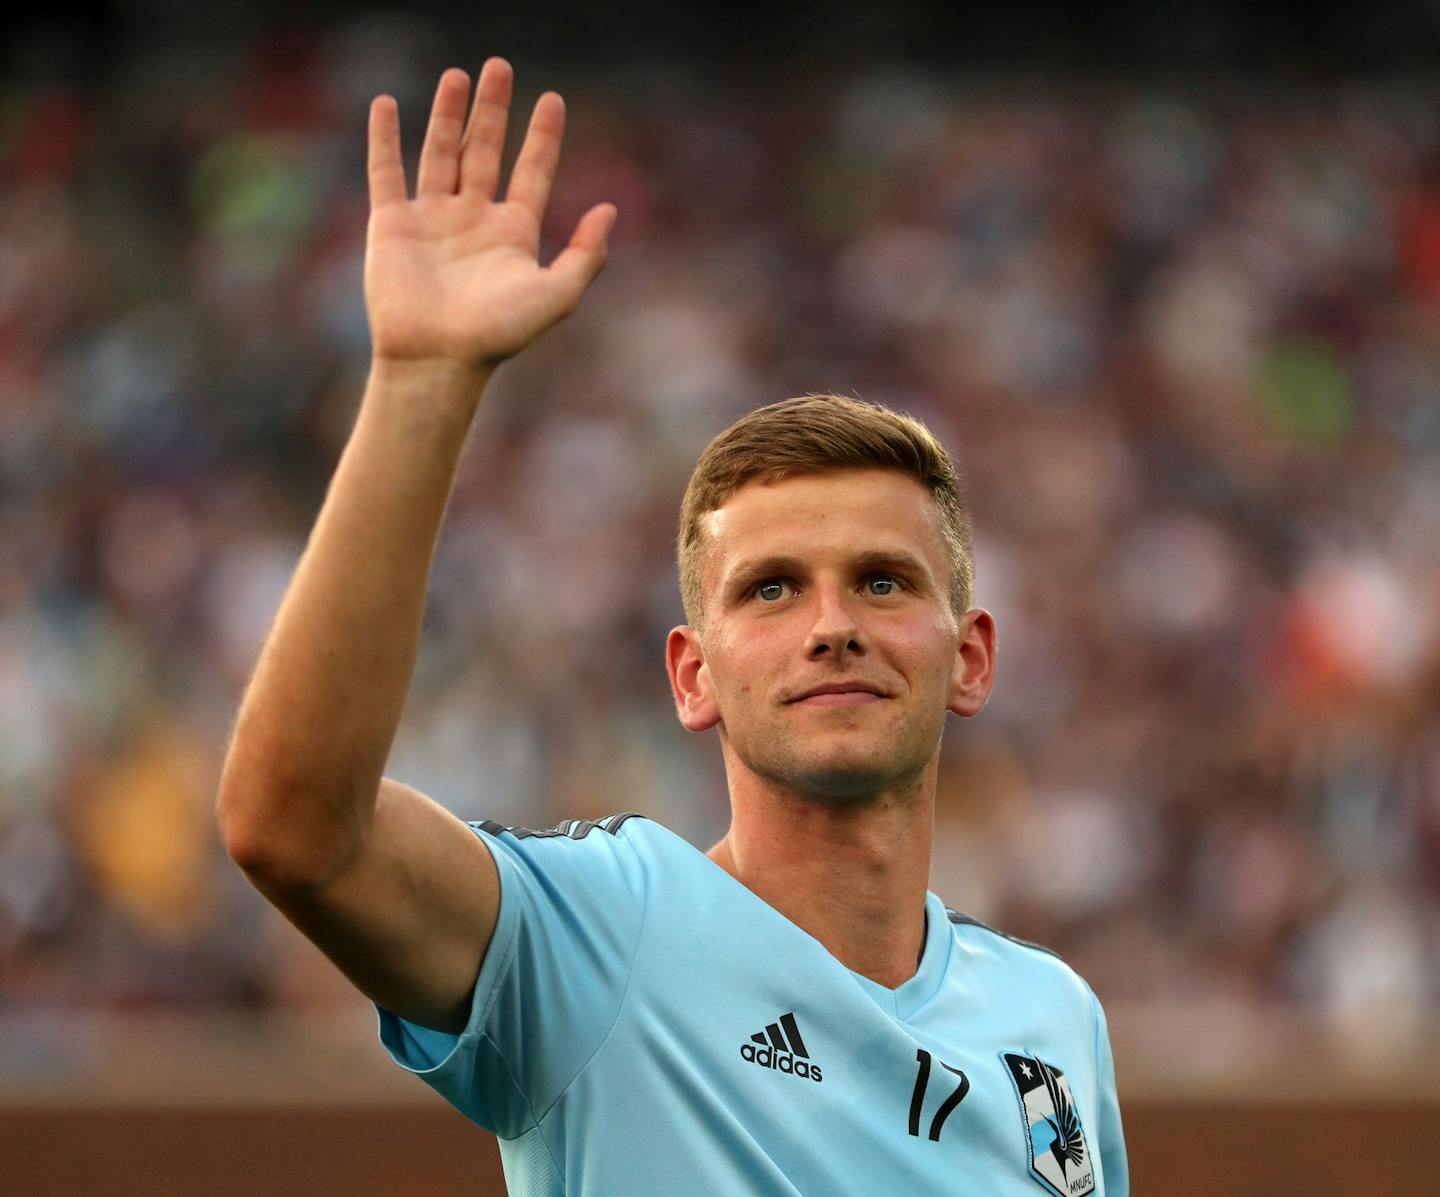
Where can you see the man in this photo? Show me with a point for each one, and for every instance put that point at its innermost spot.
(792, 1012)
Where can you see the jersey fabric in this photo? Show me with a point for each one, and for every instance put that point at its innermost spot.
(644, 1024)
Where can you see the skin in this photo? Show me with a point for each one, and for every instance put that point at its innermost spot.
(832, 804)
(832, 800)
(453, 279)
(391, 886)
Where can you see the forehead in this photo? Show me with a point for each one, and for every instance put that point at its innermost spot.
(816, 516)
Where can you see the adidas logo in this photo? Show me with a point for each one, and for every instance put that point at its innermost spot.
(782, 1049)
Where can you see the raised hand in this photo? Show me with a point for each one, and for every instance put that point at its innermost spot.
(454, 275)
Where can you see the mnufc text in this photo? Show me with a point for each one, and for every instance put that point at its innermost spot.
(769, 1058)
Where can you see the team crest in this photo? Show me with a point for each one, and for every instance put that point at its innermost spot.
(1059, 1155)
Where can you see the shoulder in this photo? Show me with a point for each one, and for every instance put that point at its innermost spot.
(582, 851)
(959, 920)
(1037, 963)
(567, 829)
(622, 866)
(627, 842)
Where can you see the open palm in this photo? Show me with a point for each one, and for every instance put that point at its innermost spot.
(454, 274)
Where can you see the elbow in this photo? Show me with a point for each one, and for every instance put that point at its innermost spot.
(244, 808)
(280, 839)
(241, 827)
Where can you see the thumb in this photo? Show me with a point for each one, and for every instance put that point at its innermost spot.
(576, 266)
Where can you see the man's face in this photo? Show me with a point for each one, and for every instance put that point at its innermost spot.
(819, 580)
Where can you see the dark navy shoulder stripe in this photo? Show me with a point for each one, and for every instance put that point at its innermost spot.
(575, 829)
(965, 920)
(613, 823)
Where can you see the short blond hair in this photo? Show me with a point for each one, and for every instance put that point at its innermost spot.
(813, 434)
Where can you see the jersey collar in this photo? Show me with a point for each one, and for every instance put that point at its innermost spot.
(903, 1001)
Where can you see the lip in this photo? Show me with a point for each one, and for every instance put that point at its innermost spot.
(839, 698)
(841, 694)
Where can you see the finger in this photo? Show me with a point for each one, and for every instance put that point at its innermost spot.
(575, 268)
(484, 139)
(386, 171)
(440, 156)
(535, 167)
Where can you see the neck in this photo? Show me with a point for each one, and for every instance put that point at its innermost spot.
(853, 875)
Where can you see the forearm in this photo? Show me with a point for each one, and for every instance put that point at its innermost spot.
(451, 276)
(315, 727)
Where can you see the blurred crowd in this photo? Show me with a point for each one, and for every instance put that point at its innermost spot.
(1185, 347)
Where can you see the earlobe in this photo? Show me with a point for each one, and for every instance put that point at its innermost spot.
(974, 672)
(690, 680)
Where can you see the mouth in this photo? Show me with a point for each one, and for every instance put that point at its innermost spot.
(842, 698)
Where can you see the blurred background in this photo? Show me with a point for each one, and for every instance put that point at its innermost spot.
(1166, 283)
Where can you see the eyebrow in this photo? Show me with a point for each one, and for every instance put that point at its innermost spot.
(897, 560)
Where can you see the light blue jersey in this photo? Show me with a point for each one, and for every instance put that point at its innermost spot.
(644, 1024)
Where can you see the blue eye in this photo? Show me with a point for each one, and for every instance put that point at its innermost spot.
(772, 590)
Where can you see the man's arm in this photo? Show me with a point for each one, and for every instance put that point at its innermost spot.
(399, 893)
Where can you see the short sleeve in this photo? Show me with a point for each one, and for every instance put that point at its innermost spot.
(572, 903)
(1114, 1164)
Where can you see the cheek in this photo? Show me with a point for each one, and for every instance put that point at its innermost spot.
(927, 647)
(743, 665)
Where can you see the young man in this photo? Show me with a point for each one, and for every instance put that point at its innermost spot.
(792, 1012)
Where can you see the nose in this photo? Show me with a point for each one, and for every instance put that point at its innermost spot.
(836, 629)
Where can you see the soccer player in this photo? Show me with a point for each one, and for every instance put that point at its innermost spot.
(791, 1012)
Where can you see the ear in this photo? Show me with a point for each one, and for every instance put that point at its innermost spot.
(974, 671)
(690, 680)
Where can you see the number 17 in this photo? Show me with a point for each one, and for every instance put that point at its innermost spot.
(917, 1099)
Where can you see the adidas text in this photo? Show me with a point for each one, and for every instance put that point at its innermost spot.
(768, 1057)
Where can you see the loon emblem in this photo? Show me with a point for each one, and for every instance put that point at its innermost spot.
(1054, 1137)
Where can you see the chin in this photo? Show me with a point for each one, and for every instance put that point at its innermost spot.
(845, 782)
(841, 768)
